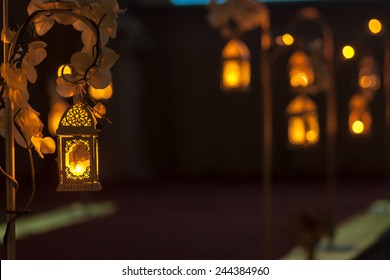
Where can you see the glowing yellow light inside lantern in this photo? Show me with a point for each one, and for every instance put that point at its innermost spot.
(104, 93)
(299, 79)
(348, 52)
(55, 114)
(231, 74)
(311, 136)
(296, 131)
(236, 74)
(288, 39)
(357, 127)
(64, 69)
(78, 159)
(375, 26)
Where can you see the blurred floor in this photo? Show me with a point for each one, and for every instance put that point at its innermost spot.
(196, 220)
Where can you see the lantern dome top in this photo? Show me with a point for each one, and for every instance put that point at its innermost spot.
(236, 49)
(77, 119)
(301, 104)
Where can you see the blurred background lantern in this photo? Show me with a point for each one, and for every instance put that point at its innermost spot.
(78, 149)
(303, 127)
(236, 71)
(300, 70)
(369, 79)
(359, 116)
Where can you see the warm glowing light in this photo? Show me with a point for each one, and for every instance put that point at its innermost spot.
(104, 93)
(357, 127)
(359, 115)
(296, 131)
(369, 81)
(348, 52)
(288, 39)
(78, 159)
(56, 111)
(375, 26)
(64, 69)
(236, 70)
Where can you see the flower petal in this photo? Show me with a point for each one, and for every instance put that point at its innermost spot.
(64, 19)
(7, 35)
(79, 25)
(64, 88)
(19, 97)
(30, 72)
(18, 137)
(109, 57)
(36, 56)
(36, 45)
(99, 110)
(81, 61)
(88, 38)
(36, 141)
(29, 122)
(43, 24)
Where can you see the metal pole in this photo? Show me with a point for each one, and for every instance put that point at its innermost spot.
(9, 153)
(265, 78)
(312, 14)
(331, 115)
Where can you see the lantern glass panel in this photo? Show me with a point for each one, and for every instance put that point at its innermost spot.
(300, 70)
(359, 122)
(296, 130)
(78, 159)
(236, 74)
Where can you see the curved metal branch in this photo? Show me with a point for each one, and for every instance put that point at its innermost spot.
(13, 51)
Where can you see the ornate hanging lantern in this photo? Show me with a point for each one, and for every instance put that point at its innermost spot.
(236, 71)
(359, 120)
(78, 162)
(303, 127)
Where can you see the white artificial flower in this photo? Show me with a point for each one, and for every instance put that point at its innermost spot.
(19, 97)
(35, 55)
(99, 77)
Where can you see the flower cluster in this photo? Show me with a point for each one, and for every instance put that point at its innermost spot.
(96, 20)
